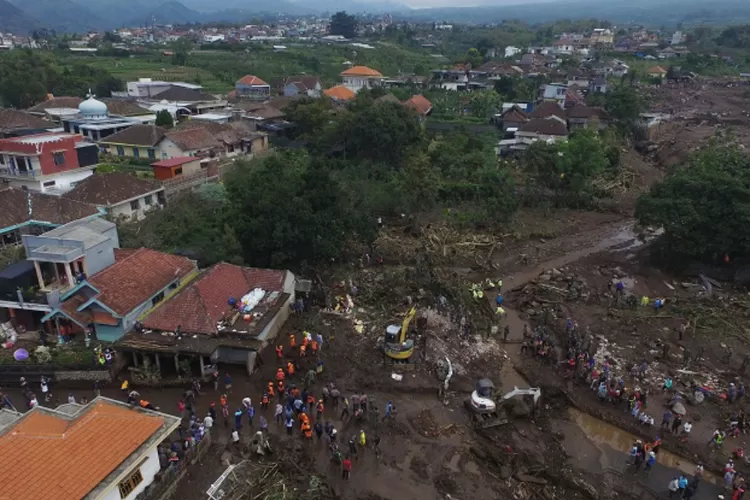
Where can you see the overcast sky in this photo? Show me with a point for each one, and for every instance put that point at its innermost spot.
(420, 4)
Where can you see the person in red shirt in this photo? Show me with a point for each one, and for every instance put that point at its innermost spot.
(346, 467)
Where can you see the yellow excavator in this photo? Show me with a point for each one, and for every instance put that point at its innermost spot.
(396, 347)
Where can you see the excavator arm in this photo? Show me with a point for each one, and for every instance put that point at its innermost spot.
(531, 391)
(405, 325)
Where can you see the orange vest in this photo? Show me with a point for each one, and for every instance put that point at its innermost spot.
(308, 432)
(292, 341)
(290, 369)
(270, 389)
(144, 403)
(301, 350)
(314, 345)
(223, 401)
(320, 407)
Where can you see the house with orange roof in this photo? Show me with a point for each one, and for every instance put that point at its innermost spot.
(361, 77)
(657, 72)
(420, 104)
(252, 87)
(340, 93)
(104, 450)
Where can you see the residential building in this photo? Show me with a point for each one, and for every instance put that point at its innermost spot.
(420, 104)
(511, 51)
(581, 116)
(231, 139)
(137, 141)
(450, 79)
(122, 196)
(210, 327)
(104, 450)
(195, 101)
(677, 38)
(513, 118)
(30, 212)
(546, 109)
(598, 85)
(111, 300)
(657, 72)
(146, 88)
(550, 129)
(176, 167)
(602, 36)
(554, 92)
(357, 78)
(94, 122)
(49, 162)
(56, 108)
(252, 87)
(14, 123)
(302, 85)
(340, 93)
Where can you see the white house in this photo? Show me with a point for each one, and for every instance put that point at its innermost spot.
(361, 77)
(511, 51)
(121, 195)
(66, 443)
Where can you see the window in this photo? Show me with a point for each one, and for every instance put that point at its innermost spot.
(175, 285)
(136, 153)
(135, 205)
(149, 200)
(59, 158)
(120, 151)
(178, 171)
(164, 156)
(131, 483)
(151, 154)
(157, 299)
(2, 159)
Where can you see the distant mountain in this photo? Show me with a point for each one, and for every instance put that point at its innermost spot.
(245, 6)
(61, 15)
(357, 7)
(15, 20)
(172, 12)
(647, 12)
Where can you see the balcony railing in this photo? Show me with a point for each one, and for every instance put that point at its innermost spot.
(19, 173)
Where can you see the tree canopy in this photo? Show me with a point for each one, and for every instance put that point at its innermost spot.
(164, 119)
(343, 24)
(704, 206)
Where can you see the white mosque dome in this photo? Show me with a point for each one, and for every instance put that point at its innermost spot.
(93, 108)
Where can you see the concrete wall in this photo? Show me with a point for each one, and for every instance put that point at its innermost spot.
(92, 375)
(100, 256)
(168, 149)
(148, 470)
(108, 333)
(232, 355)
(126, 211)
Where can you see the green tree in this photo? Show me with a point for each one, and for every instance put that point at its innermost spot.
(343, 24)
(474, 58)
(385, 132)
(420, 183)
(624, 104)
(704, 206)
(484, 104)
(164, 119)
(290, 209)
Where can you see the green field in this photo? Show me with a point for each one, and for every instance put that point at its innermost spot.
(217, 70)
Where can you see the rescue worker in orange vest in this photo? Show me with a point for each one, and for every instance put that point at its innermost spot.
(270, 389)
(280, 385)
(304, 419)
(292, 341)
(280, 351)
(264, 401)
(308, 431)
(290, 369)
(320, 410)
(314, 346)
(280, 374)
(146, 404)
(302, 350)
(223, 400)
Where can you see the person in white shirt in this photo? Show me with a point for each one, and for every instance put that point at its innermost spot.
(208, 421)
(686, 428)
(236, 438)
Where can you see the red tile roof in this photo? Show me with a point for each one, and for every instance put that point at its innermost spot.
(251, 80)
(419, 103)
(175, 162)
(362, 71)
(340, 93)
(135, 279)
(200, 305)
(74, 456)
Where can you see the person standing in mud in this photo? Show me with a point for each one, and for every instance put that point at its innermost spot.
(506, 333)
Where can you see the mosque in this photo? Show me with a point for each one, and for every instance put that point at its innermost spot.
(94, 122)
